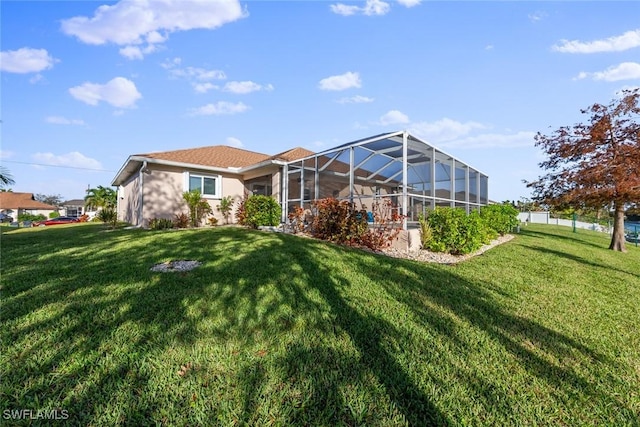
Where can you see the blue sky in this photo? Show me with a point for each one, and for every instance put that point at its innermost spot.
(87, 83)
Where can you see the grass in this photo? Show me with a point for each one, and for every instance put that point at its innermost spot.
(278, 329)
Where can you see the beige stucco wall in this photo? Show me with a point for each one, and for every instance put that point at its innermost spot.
(129, 201)
(164, 185)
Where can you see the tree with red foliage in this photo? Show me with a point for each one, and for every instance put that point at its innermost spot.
(595, 164)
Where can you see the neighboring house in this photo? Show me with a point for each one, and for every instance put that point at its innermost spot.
(398, 166)
(75, 208)
(15, 204)
(151, 185)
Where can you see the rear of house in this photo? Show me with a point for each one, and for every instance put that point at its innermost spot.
(151, 185)
(397, 166)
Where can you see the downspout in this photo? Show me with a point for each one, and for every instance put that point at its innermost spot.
(405, 204)
(284, 192)
(141, 196)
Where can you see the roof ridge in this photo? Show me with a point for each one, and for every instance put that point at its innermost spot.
(201, 148)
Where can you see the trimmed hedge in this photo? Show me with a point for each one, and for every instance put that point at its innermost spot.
(452, 230)
(501, 218)
(261, 210)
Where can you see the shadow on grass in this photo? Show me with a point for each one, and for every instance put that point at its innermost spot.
(581, 260)
(561, 234)
(310, 346)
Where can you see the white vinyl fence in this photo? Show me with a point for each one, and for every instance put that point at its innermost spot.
(545, 218)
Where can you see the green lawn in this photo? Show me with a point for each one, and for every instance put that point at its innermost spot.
(278, 329)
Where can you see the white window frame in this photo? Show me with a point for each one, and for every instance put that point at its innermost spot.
(217, 178)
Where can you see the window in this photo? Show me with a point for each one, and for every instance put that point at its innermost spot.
(208, 185)
(74, 211)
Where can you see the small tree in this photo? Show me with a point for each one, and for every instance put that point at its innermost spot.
(595, 164)
(225, 207)
(198, 207)
(49, 199)
(100, 197)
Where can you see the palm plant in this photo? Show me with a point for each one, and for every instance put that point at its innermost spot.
(5, 177)
(101, 197)
(198, 207)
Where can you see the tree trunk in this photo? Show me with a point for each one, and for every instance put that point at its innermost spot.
(617, 238)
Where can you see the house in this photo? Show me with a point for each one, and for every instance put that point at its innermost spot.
(15, 204)
(75, 208)
(413, 174)
(151, 185)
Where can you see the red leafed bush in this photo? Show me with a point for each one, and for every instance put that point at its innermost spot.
(386, 227)
(296, 219)
(341, 222)
(338, 221)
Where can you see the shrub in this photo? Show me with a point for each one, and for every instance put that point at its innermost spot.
(83, 218)
(160, 224)
(426, 234)
(387, 226)
(241, 214)
(30, 217)
(339, 221)
(452, 230)
(54, 214)
(296, 219)
(181, 220)
(501, 218)
(261, 210)
(108, 216)
(225, 207)
(213, 221)
(198, 207)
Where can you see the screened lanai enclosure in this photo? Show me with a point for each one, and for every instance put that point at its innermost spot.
(396, 166)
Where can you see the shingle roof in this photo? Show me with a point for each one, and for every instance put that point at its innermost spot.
(217, 156)
(293, 154)
(223, 156)
(73, 202)
(11, 200)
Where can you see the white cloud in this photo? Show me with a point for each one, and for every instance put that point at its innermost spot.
(59, 120)
(200, 78)
(371, 8)
(26, 60)
(624, 71)
(220, 108)
(341, 82)
(537, 16)
(118, 92)
(200, 74)
(170, 63)
(245, 87)
(234, 142)
(36, 79)
(131, 23)
(204, 87)
(444, 129)
(626, 41)
(358, 99)
(493, 140)
(344, 10)
(73, 159)
(409, 3)
(394, 117)
(131, 52)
